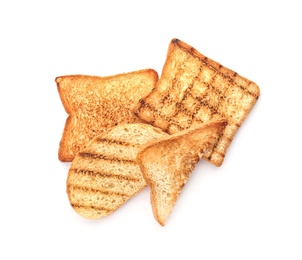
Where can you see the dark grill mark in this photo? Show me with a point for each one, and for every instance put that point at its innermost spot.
(90, 207)
(88, 189)
(112, 141)
(104, 157)
(104, 174)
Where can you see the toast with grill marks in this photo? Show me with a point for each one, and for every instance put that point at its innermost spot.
(104, 175)
(166, 163)
(194, 89)
(95, 103)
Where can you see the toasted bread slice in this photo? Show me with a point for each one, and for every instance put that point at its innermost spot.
(95, 103)
(104, 175)
(194, 89)
(166, 163)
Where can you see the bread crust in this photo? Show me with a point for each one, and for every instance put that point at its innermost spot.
(95, 103)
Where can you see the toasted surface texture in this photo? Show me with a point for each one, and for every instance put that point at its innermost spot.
(104, 175)
(94, 103)
(194, 89)
(166, 163)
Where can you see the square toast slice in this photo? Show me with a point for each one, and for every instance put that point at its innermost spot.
(95, 103)
(194, 89)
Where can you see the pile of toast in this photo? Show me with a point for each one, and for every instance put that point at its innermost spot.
(132, 130)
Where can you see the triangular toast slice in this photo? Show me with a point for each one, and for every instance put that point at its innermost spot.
(104, 175)
(94, 103)
(166, 163)
(194, 89)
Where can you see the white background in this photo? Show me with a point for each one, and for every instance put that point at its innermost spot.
(249, 208)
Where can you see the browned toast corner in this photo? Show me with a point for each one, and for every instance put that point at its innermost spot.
(194, 89)
(95, 103)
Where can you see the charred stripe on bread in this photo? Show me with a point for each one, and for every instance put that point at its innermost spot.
(105, 174)
(104, 157)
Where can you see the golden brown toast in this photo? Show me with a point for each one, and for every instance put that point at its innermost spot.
(95, 103)
(104, 175)
(166, 163)
(194, 89)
